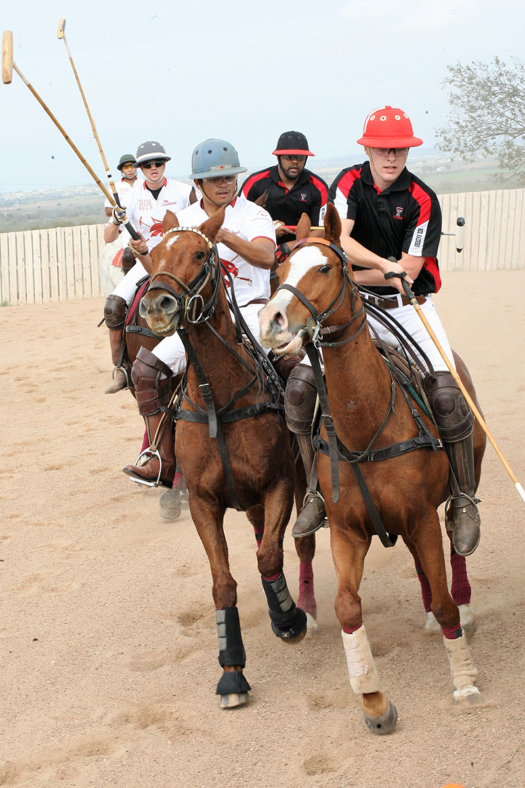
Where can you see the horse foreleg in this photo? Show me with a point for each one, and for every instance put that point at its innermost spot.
(256, 517)
(232, 687)
(349, 556)
(289, 622)
(430, 549)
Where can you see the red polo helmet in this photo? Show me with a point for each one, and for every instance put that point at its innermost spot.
(388, 127)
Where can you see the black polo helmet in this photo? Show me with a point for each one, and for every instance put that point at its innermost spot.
(127, 158)
(292, 142)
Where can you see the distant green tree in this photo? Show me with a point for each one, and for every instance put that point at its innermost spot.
(489, 114)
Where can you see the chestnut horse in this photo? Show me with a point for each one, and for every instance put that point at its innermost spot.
(187, 270)
(406, 489)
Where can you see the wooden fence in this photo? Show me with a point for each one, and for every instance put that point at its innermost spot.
(61, 264)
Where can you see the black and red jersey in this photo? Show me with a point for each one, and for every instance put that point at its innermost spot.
(309, 194)
(405, 217)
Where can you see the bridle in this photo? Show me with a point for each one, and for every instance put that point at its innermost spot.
(188, 300)
(314, 324)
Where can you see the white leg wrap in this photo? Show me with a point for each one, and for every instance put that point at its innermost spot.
(464, 673)
(361, 667)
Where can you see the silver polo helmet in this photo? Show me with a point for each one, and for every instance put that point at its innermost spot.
(215, 158)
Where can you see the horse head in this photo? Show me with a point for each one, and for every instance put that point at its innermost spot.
(315, 270)
(184, 266)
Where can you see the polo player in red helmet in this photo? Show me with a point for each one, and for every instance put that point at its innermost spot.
(386, 211)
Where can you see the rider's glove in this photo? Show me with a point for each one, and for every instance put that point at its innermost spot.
(119, 216)
(282, 252)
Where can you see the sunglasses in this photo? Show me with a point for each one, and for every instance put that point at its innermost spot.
(128, 167)
(229, 179)
(149, 164)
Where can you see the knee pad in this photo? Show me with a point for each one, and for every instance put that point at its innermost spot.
(299, 399)
(115, 312)
(152, 380)
(453, 416)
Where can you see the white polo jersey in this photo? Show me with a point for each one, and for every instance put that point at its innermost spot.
(124, 190)
(249, 221)
(146, 213)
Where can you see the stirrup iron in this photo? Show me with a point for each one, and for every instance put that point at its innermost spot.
(150, 453)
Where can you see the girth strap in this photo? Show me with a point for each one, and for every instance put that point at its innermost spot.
(215, 429)
(386, 539)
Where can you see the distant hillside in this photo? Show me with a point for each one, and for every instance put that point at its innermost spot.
(84, 204)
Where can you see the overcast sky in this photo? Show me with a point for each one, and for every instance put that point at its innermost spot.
(180, 72)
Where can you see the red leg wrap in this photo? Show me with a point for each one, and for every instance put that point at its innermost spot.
(306, 599)
(451, 633)
(461, 590)
(351, 630)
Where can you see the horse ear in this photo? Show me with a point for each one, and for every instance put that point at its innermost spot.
(303, 227)
(332, 225)
(169, 221)
(211, 226)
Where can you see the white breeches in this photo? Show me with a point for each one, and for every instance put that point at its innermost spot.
(171, 350)
(412, 323)
(127, 288)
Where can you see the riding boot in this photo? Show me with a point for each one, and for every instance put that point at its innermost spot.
(299, 406)
(151, 378)
(115, 315)
(455, 422)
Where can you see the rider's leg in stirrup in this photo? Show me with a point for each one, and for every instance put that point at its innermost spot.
(299, 405)
(152, 380)
(456, 424)
(115, 317)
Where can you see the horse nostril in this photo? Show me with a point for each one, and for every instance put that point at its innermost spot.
(167, 304)
(279, 319)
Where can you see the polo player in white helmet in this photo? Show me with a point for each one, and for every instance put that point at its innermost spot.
(246, 244)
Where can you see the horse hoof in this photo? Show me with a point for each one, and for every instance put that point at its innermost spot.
(468, 620)
(233, 700)
(295, 631)
(467, 696)
(384, 724)
(311, 623)
(170, 504)
(185, 499)
(431, 624)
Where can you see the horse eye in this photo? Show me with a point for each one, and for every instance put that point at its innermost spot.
(325, 269)
(199, 255)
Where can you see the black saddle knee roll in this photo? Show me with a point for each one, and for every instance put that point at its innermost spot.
(453, 416)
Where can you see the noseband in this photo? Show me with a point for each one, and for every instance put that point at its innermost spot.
(314, 324)
(187, 301)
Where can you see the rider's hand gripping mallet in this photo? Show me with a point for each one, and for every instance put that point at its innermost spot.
(475, 411)
(8, 65)
(61, 33)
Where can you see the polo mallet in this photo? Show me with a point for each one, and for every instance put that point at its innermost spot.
(61, 33)
(8, 65)
(475, 411)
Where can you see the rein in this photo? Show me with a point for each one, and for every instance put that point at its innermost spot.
(336, 449)
(186, 302)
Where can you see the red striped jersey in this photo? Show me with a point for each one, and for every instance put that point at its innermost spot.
(309, 194)
(405, 217)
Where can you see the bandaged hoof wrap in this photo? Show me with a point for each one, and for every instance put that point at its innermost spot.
(385, 723)
(467, 695)
(364, 677)
(231, 648)
(233, 682)
(462, 669)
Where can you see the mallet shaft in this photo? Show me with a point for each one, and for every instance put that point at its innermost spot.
(474, 409)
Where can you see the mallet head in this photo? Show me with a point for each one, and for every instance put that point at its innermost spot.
(7, 57)
(61, 28)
